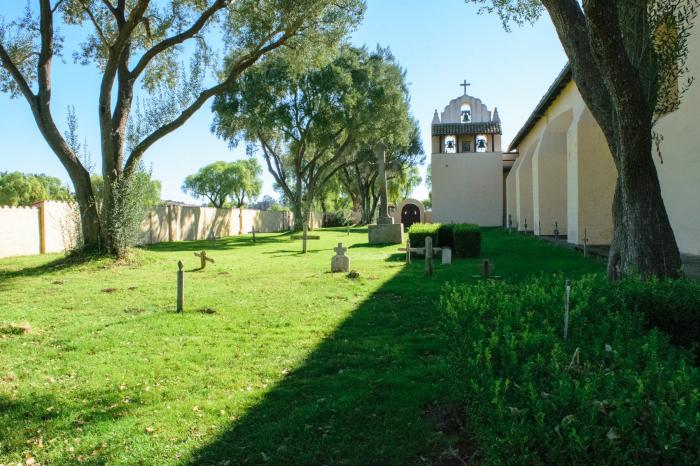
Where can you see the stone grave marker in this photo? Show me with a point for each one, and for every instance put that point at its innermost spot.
(340, 262)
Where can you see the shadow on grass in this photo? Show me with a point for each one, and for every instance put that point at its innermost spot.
(379, 389)
(69, 261)
(364, 396)
(36, 418)
(219, 244)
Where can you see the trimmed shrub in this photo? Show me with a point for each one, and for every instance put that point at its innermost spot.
(446, 236)
(467, 240)
(614, 393)
(419, 231)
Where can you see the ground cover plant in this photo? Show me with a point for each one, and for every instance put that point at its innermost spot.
(275, 359)
(612, 393)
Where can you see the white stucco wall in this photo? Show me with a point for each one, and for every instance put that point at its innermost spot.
(549, 177)
(467, 188)
(679, 173)
(591, 177)
(19, 231)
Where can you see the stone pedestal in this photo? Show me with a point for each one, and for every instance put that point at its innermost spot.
(386, 233)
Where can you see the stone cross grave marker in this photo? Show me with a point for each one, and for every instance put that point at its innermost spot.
(180, 286)
(340, 262)
(203, 259)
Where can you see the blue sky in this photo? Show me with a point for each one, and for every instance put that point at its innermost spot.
(439, 42)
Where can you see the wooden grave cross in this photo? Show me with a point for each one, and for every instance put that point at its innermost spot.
(203, 259)
(428, 251)
(486, 268)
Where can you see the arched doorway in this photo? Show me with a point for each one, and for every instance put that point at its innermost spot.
(410, 214)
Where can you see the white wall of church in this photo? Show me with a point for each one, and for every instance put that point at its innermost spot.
(679, 173)
(549, 180)
(591, 177)
(467, 188)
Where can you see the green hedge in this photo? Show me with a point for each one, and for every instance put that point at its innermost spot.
(419, 231)
(445, 236)
(629, 397)
(467, 240)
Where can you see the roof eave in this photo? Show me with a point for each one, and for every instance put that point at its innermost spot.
(547, 100)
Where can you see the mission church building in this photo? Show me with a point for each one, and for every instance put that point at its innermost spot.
(467, 163)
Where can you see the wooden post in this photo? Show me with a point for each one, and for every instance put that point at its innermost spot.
(253, 231)
(429, 255)
(408, 251)
(305, 232)
(585, 242)
(42, 227)
(180, 287)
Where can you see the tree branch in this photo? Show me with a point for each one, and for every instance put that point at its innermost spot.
(570, 24)
(16, 74)
(179, 38)
(245, 62)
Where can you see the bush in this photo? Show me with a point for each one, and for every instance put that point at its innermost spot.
(419, 231)
(614, 393)
(445, 236)
(338, 218)
(671, 306)
(467, 240)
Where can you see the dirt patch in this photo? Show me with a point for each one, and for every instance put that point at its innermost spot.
(134, 310)
(57, 282)
(448, 421)
(109, 290)
(206, 310)
(15, 329)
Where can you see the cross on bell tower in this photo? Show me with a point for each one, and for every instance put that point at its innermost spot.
(464, 85)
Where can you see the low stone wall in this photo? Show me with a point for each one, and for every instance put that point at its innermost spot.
(49, 227)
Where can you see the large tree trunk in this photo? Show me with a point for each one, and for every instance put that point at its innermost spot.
(89, 217)
(643, 240)
(613, 88)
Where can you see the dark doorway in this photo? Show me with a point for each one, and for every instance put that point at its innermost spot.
(410, 214)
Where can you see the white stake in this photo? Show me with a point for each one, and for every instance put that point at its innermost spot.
(566, 309)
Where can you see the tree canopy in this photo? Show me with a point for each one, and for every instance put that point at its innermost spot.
(311, 122)
(221, 182)
(157, 68)
(23, 189)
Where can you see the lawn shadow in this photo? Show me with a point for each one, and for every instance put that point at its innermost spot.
(35, 416)
(219, 244)
(71, 260)
(363, 395)
(376, 390)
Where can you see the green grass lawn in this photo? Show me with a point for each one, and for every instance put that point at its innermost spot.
(294, 366)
